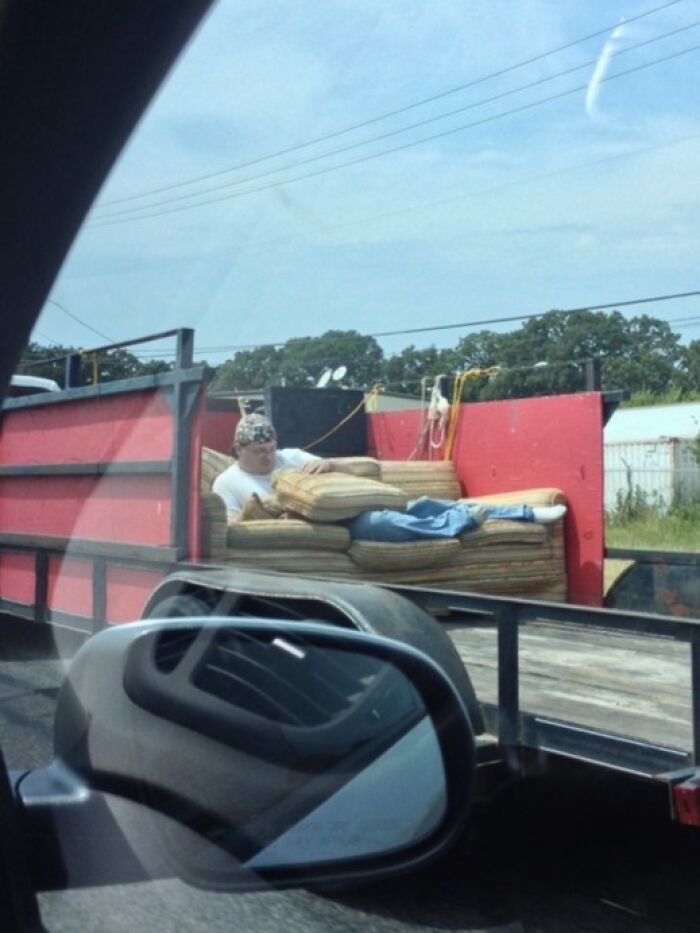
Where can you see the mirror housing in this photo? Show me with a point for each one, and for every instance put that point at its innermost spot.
(246, 753)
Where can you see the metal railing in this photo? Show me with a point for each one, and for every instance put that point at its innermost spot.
(184, 352)
(515, 728)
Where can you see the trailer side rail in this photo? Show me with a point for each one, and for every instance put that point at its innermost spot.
(518, 730)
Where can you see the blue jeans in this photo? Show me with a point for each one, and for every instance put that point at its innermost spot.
(427, 518)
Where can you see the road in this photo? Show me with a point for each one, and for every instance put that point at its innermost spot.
(582, 854)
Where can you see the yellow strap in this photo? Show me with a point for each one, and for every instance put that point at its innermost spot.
(457, 391)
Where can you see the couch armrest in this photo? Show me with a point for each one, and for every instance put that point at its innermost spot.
(532, 497)
(214, 526)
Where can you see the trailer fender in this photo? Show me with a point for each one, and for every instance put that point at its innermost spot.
(362, 606)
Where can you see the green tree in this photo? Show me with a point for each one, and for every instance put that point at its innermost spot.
(108, 366)
(546, 355)
(300, 362)
(249, 369)
(650, 361)
(689, 377)
(403, 371)
(305, 359)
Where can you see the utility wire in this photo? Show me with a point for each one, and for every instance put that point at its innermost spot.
(75, 317)
(466, 324)
(391, 133)
(361, 159)
(45, 337)
(493, 189)
(392, 113)
(686, 321)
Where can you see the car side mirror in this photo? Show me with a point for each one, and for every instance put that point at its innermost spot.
(257, 753)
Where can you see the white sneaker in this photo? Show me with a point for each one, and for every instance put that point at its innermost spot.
(479, 513)
(545, 514)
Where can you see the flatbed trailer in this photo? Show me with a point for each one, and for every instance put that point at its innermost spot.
(100, 523)
(546, 681)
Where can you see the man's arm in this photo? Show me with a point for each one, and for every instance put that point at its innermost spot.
(326, 465)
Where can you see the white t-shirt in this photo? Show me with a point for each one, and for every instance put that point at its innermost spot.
(235, 485)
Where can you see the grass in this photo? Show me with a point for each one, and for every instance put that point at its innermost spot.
(675, 530)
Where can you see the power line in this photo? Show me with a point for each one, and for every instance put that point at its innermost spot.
(391, 133)
(361, 159)
(44, 337)
(75, 317)
(525, 317)
(427, 100)
(493, 189)
(464, 324)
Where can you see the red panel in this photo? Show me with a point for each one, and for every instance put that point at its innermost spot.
(124, 508)
(551, 441)
(129, 426)
(217, 429)
(521, 444)
(17, 578)
(127, 591)
(70, 585)
(392, 435)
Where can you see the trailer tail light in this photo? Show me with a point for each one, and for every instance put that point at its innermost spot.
(686, 801)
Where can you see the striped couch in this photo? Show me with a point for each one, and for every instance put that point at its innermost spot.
(501, 557)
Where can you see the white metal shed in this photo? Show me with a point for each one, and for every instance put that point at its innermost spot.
(650, 449)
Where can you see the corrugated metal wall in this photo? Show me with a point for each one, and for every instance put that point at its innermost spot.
(664, 470)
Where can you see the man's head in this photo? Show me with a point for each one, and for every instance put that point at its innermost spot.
(255, 444)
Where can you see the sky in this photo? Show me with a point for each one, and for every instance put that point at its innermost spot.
(587, 198)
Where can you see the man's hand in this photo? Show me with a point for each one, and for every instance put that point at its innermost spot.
(316, 466)
(272, 505)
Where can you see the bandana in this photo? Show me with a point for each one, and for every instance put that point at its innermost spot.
(254, 429)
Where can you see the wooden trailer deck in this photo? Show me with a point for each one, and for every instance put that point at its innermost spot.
(625, 683)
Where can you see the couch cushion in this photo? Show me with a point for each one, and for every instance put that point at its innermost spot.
(435, 478)
(331, 497)
(294, 560)
(542, 496)
(287, 533)
(505, 532)
(409, 555)
(359, 466)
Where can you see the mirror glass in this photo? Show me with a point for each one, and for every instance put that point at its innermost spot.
(321, 753)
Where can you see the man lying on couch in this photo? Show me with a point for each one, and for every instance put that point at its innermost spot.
(257, 458)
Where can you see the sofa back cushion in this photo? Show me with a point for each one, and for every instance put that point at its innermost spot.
(435, 478)
(213, 463)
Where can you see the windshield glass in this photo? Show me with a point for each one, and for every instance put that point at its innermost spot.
(442, 250)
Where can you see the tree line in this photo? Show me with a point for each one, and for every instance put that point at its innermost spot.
(545, 355)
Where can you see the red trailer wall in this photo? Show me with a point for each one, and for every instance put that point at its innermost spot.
(130, 508)
(520, 444)
(128, 426)
(217, 429)
(17, 577)
(123, 508)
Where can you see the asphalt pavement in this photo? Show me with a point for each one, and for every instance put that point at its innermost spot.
(570, 853)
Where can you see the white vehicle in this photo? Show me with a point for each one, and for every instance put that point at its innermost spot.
(31, 385)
